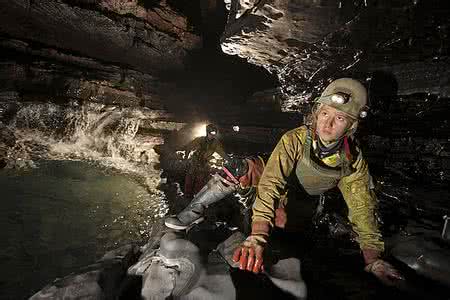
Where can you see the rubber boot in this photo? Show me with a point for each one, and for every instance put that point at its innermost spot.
(216, 189)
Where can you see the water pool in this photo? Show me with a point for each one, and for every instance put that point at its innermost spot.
(62, 215)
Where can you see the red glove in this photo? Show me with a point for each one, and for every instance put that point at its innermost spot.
(250, 253)
(384, 271)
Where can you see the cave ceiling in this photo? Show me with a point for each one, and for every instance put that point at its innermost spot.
(137, 49)
(308, 42)
(149, 40)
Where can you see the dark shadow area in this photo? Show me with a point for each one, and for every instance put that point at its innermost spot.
(251, 286)
(213, 81)
(382, 89)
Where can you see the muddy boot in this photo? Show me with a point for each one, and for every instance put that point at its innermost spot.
(216, 189)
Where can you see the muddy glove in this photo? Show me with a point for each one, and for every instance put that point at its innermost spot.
(250, 253)
(384, 271)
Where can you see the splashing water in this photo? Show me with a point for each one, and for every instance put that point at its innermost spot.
(103, 135)
(79, 180)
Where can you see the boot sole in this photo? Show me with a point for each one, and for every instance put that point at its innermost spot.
(183, 227)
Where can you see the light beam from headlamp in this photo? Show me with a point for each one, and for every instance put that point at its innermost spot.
(199, 130)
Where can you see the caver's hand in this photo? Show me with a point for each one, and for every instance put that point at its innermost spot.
(250, 254)
(384, 271)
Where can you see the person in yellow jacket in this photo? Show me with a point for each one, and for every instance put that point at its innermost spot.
(322, 155)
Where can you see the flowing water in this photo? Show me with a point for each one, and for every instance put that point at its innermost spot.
(78, 182)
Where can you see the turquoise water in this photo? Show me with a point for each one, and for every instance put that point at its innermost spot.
(60, 216)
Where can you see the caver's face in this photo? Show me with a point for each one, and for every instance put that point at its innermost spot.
(211, 135)
(331, 123)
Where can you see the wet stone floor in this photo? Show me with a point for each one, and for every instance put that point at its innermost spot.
(331, 271)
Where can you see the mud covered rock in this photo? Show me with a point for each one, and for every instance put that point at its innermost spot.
(101, 280)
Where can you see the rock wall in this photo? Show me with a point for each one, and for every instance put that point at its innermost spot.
(410, 138)
(44, 74)
(149, 40)
(308, 42)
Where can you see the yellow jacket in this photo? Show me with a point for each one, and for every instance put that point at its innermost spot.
(355, 188)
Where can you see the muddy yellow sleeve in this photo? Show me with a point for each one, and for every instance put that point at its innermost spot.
(276, 172)
(194, 144)
(361, 202)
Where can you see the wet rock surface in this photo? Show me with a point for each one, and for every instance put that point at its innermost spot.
(307, 42)
(60, 77)
(104, 30)
(408, 135)
(102, 280)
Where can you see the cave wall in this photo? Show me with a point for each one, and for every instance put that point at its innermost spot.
(153, 40)
(29, 74)
(410, 138)
(398, 49)
(307, 42)
(112, 52)
(157, 54)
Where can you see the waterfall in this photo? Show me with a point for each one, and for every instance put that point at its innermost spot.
(105, 135)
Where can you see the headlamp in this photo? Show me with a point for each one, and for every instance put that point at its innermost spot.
(340, 98)
(363, 114)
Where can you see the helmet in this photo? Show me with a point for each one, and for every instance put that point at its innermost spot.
(347, 95)
(211, 129)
